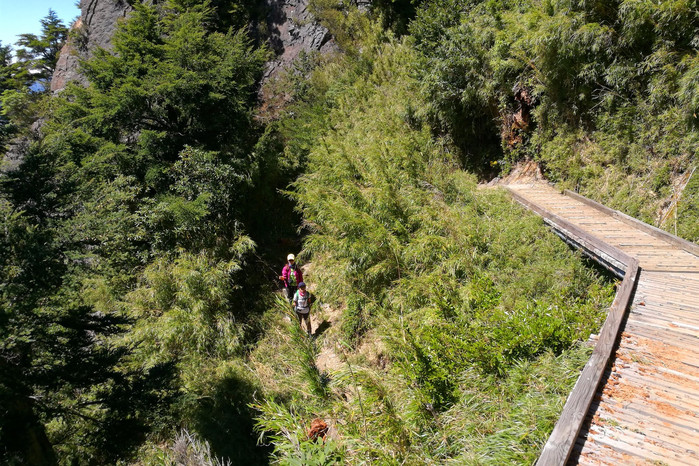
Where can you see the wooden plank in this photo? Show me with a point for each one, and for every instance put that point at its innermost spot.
(668, 298)
(643, 245)
(611, 239)
(670, 318)
(659, 293)
(658, 386)
(662, 422)
(648, 304)
(669, 267)
(666, 335)
(658, 288)
(562, 439)
(657, 232)
(663, 268)
(659, 335)
(641, 449)
(674, 278)
(607, 255)
(688, 331)
(664, 253)
(596, 454)
(628, 431)
(669, 374)
(679, 311)
(670, 295)
(673, 259)
(674, 303)
(630, 420)
(630, 451)
(671, 276)
(623, 425)
(671, 303)
(688, 281)
(633, 382)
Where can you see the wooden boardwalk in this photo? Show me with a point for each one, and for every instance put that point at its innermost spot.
(642, 404)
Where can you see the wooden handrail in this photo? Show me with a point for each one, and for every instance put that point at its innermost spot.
(562, 440)
(610, 257)
(565, 433)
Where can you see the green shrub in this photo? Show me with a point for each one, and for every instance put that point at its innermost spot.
(612, 93)
(354, 320)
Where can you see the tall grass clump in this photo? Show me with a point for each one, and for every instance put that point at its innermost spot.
(283, 426)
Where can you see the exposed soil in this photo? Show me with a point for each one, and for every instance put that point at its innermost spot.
(326, 325)
(524, 172)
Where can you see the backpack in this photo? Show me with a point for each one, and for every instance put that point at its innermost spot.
(309, 300)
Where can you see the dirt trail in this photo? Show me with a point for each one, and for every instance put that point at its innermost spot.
(325, 323)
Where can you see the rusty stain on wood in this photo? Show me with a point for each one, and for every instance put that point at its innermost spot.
(637, 399)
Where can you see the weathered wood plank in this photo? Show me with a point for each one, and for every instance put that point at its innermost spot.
(663, 388)
(685, 330)
(635, 412)
(560, 443)
(640, 449)
(610, 257)
(627, 431)
(657, 232)
(661, 335)
(659, 368)
(670, 317)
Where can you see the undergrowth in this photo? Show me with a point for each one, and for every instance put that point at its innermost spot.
(602, 94)
(478, 308)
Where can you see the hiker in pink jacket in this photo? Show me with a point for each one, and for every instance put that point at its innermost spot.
(291, 276)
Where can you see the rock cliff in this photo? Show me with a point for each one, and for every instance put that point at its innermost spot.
(290, 25)
(292, 29)
(95, 27)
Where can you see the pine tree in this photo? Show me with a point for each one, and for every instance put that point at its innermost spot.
(40, 53)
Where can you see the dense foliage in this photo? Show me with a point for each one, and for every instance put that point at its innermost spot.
(460, 291)
(124, 247)
(603, 94)
(40, 53)
(138, 321)
(25, 76)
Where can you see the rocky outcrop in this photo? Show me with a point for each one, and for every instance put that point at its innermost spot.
(290, 25)
(95, 28)
(292, 29)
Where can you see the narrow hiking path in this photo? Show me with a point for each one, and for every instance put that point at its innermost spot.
(326, 326)
(637, 400)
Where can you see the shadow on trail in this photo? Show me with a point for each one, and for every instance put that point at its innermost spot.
(322, 327)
